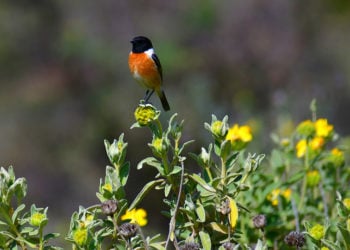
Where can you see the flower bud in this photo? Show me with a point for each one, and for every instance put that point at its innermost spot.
(145, 114)
(36, 219)
(117, 150)
(205, 156)
(295, 239)
(306, 128)
(190, 246)
(128, 230)
(158, 145)
(224, 208)
(259, 221)
(218, 129)
(109, 207)
(346, 203)
(317, 232)
(336, 157)
(228, 246)
(313, 177)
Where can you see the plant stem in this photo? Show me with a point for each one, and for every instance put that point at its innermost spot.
(223, 172)
(173, 218)
(306, 168)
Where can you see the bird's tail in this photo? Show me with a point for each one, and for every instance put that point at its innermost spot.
(163, 100)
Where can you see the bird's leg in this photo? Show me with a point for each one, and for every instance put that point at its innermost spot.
(148, 95)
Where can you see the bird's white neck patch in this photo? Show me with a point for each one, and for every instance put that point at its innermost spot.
(150, 52)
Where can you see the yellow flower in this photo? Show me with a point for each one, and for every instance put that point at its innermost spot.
(337, 152)
(218, 129)
(317, 232)
(138, 216)
(317, 143)
(301, 148)
(323, 129)
(346, 203)
(37, 218)
(108, 187)
(158, 145)
(324, 248)
(313, 178)
(145, 114)
(239, 136)
(88, 219)
(285, 142)
(287, 193)
(80, 236)
(337, 157)
(273, 196)
(306, 128)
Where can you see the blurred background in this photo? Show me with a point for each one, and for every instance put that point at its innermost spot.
(65, 85)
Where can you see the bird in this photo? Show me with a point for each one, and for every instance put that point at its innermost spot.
(146, 69)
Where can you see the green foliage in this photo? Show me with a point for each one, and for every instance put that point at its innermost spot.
(236, 200)
(17, 227)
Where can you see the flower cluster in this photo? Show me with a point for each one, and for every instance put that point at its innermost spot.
(275, 195)
(238, 136)
(314, 136)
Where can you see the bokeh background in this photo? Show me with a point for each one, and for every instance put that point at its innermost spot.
(65, 83)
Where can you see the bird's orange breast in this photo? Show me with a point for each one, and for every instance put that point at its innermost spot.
(144, 70)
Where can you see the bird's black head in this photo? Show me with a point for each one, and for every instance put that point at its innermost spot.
(140, 44)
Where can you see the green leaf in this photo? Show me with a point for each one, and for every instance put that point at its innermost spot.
(18, 188)
(200, 211)
(124, 173)
(16, 212)
(219, 227)
(217, 148)
(345, 234)
(202, 183)
(231, 160)
(225, 149)
(143, 192)
(183, 146)
(260, 245)
(294, 178)
(3, 223)
(8, 234)
(51, 236)
(153, 162)
(176, 170)
(205, 239)
(167, 189)
(330, 244)
(123, 204)
(112, 176)
(277, 159)
(155, 242)
(157, 245)
(52, 248)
